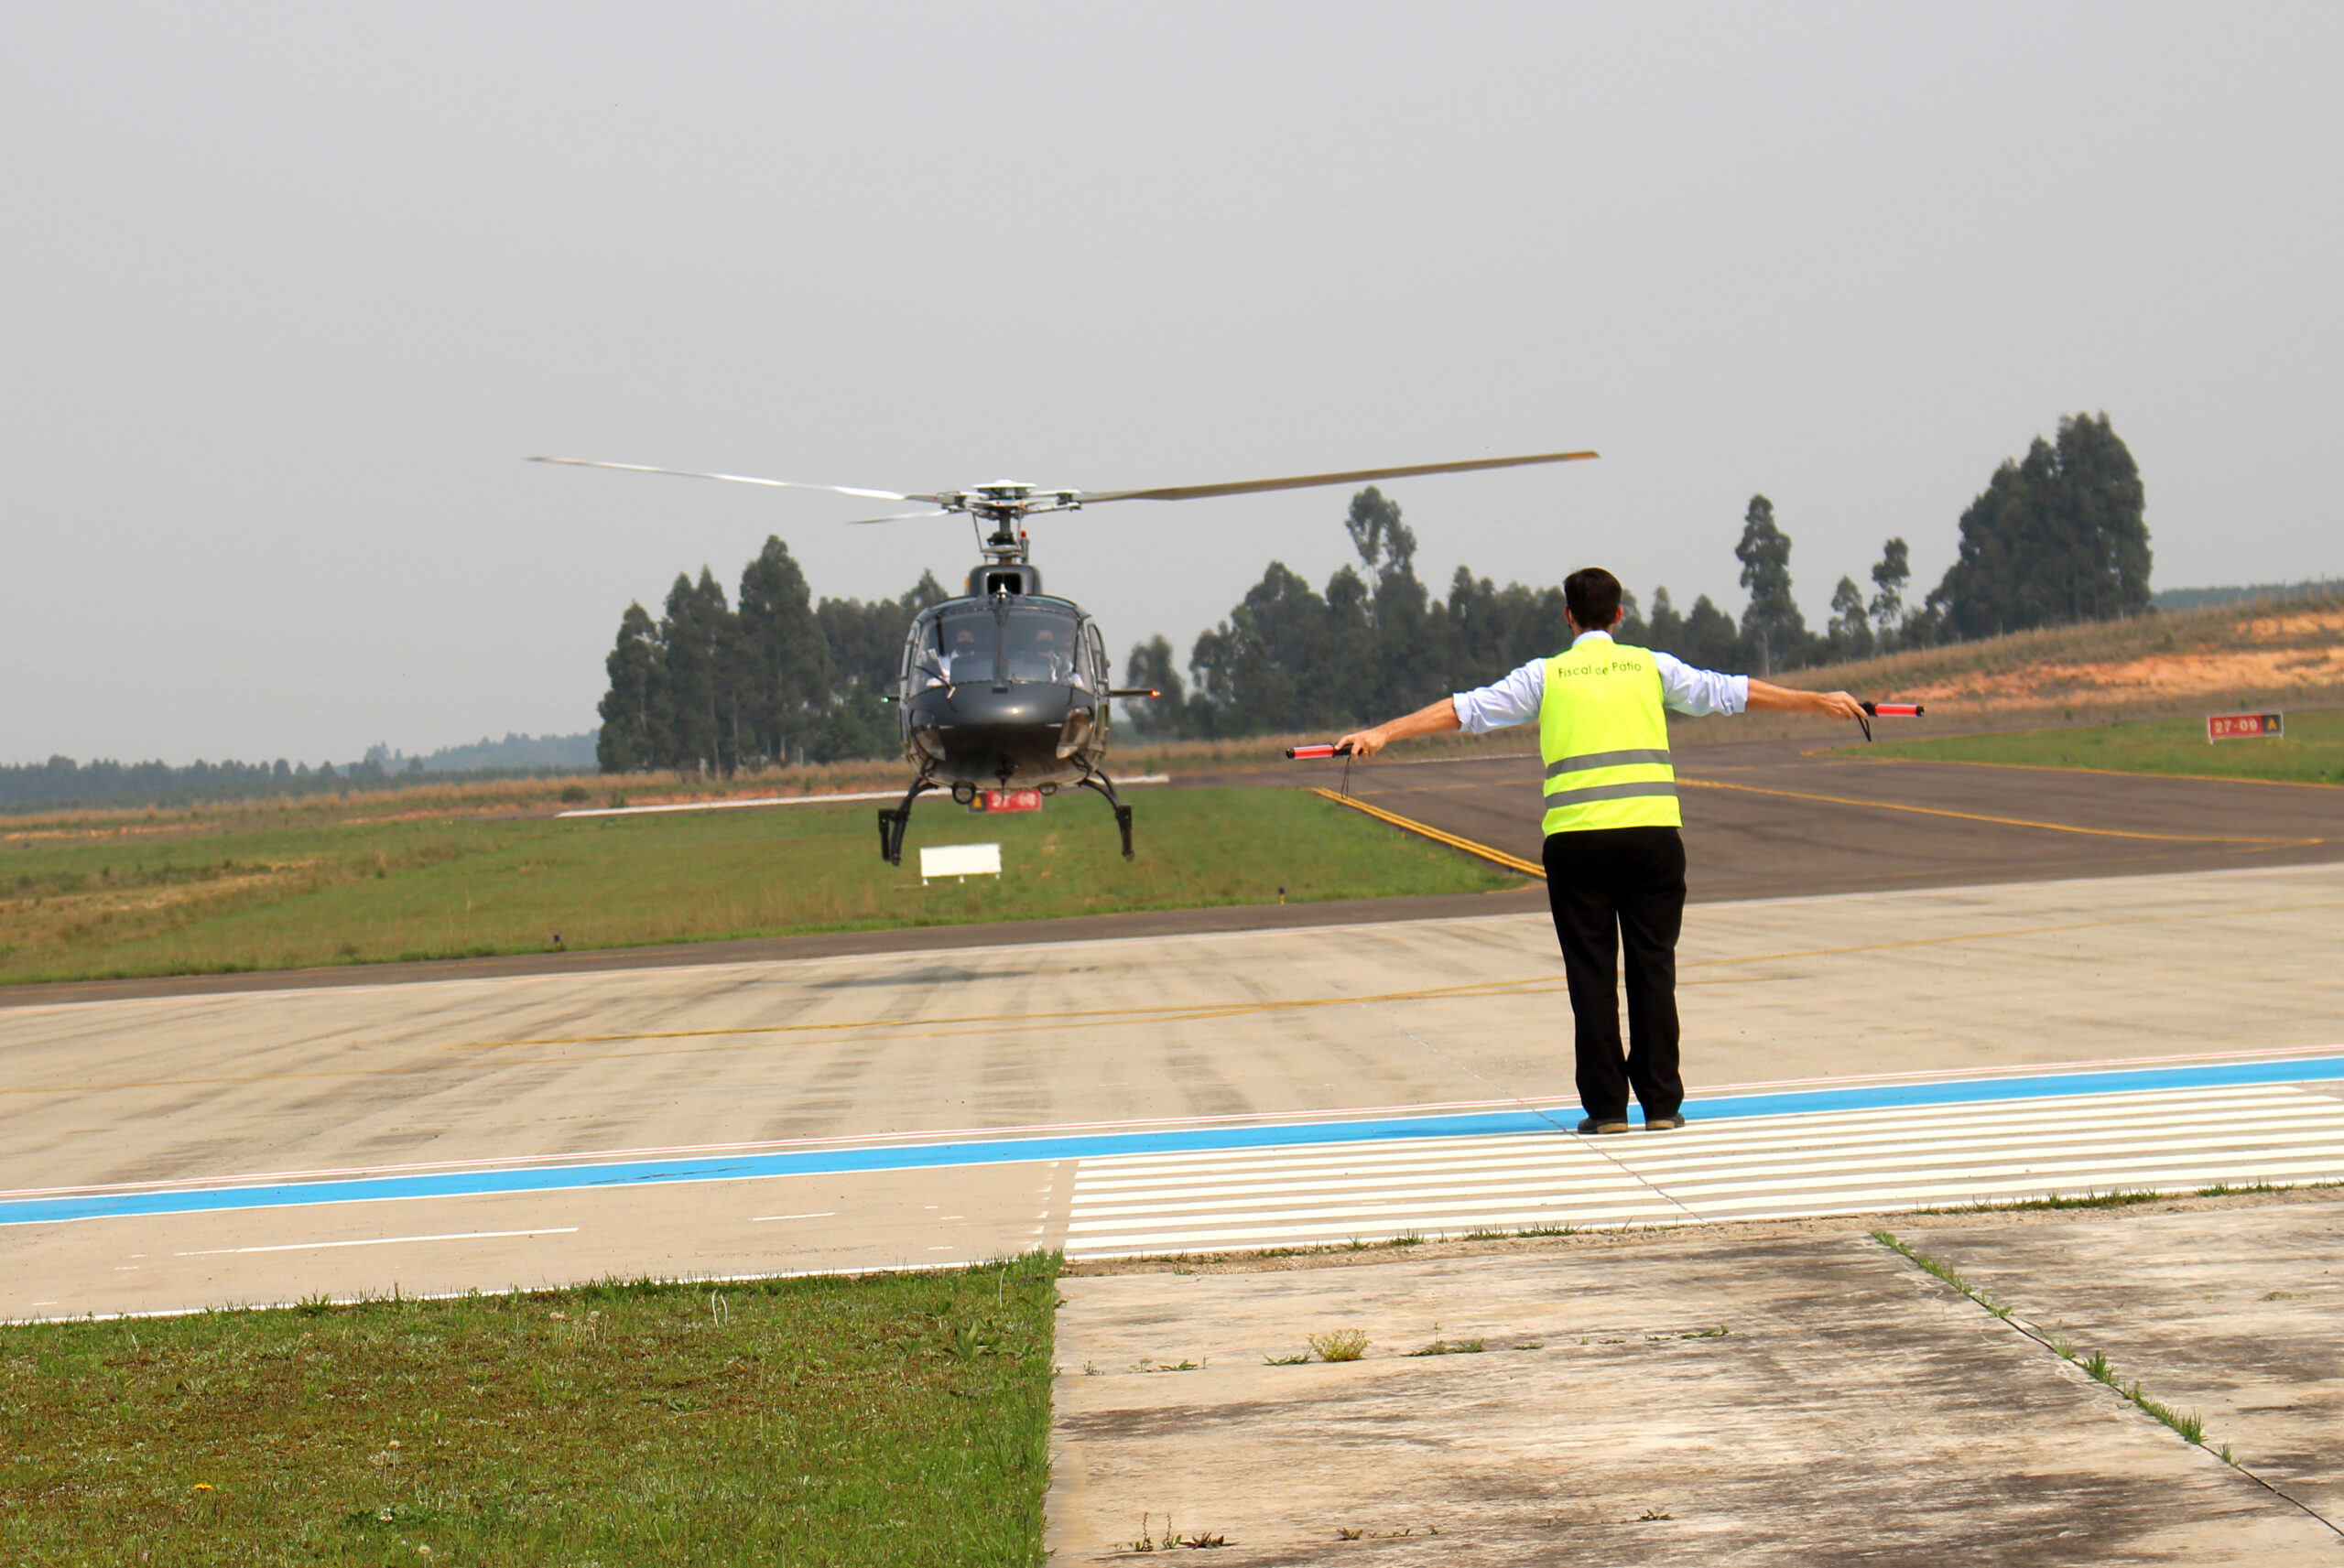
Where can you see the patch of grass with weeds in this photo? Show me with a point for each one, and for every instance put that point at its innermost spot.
(1944, 1271)
(895, 1419)
(1340, 1345)
(1449, 1346)
(2119, 1198)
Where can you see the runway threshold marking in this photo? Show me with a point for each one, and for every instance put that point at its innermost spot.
(1410, 825)
(1043, 1022)
(1765, 1167)
(2003, 821)
(1532, 1118)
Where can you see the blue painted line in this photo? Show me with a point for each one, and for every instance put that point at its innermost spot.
(1091, 1146)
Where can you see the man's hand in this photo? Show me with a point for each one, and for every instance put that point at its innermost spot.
(1430, 719)
(1839, 705)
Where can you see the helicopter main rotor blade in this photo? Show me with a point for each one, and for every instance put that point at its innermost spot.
(738, 479)
(897, 517)
(1305, 481)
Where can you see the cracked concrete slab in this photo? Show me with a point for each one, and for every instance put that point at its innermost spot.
(2239, 1323)
(1799, 1398)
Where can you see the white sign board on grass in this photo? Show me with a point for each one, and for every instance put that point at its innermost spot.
(962, 860)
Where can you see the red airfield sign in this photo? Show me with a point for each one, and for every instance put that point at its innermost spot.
(2244, 726)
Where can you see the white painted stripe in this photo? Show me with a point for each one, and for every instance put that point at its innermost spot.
(1796, 1161)
(1693, 1159)
(1830, 1162)
(1447, 1212)
(2319, 1135)
(1400, 1225)
(1684, 1161)
(379, 1241)
(2162, 1108)
(2328, 1157)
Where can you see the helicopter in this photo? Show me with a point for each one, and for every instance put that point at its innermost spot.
(1006, 687)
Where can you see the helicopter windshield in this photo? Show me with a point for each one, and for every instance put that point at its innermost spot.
(1038, 645)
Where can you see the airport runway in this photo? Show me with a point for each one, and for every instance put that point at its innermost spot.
(1771, 819)
(906, 1109)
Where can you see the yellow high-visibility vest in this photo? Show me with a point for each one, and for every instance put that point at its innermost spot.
(1605, 737)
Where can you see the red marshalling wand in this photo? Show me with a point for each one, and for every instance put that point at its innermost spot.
(1888, 710)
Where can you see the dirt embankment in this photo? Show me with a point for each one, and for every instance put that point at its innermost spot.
(2231, 656)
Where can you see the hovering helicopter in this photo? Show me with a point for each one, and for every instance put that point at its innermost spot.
(1008, 688)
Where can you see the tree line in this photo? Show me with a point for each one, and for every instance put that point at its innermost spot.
(62, 783)
(712, 687)
(2058, 535)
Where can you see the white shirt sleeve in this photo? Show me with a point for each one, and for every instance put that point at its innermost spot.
(1513, 699)
(1695, 691)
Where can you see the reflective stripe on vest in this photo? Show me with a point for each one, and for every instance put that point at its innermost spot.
(1604, 735)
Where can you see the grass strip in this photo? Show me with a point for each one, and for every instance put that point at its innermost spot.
(2312, 751)
(209, 893)
(884, 1419)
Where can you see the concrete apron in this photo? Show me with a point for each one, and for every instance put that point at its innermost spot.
(1799, 1396)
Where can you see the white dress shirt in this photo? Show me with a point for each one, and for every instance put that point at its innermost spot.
(1514, 698)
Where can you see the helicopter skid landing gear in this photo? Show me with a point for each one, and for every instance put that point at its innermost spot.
(1100, 782)
(892, 823)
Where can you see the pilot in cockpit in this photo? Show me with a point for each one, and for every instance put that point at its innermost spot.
(1043, 658)
(965, 659)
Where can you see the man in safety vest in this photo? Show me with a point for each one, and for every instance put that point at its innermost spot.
(1615, 865)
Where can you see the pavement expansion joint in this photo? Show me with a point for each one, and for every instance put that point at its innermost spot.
(2098, 1370)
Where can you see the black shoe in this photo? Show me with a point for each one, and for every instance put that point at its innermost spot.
(1662, 1123)
(1592, 1124)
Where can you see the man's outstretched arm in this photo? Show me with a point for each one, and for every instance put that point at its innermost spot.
(1766, 699)
(1430, 719)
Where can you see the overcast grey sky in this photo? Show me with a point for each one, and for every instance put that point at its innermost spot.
(290, 290)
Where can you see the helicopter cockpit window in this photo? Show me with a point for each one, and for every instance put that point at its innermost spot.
(1041, 647)
(1033, 644)
(964, 648)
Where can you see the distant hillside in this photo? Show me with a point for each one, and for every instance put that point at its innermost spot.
(531, 752)
(2205, 597)
(61, 781)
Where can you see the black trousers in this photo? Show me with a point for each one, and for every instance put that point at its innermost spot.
(1610, 887)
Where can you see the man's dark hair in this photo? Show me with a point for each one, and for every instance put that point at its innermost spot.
(1593, 595)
